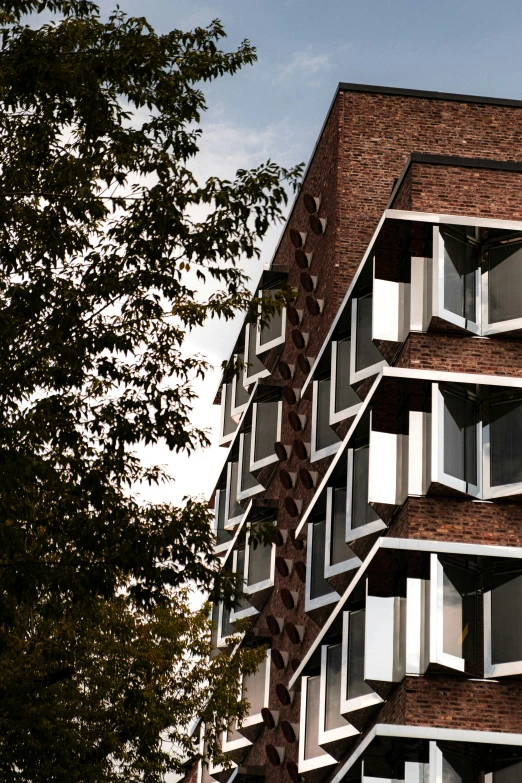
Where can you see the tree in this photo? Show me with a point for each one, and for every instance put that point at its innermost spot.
(101, 657)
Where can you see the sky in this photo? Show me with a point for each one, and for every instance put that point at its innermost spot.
(275, 109)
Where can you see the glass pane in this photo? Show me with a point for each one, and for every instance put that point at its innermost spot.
(266, 429)
(325, 435)
(506, 628)
(460, 438)
(248, 481)
(333, 717)
(505, 283)
(240, 569)
(221, 534)
(511, 774)
(215, 622)
(458, 612)
(505, 443)
(366, 353)
(312, 748)
(318, 584)
(362, 512)
(259, 563)
(459, 278)
(255, 365)
(254, 689)
(345, 397)
(229, 425)
(234, 508)
(241, 397)
(339, 549)
(356, 684)
(274, 328)
(459, 769)
(227, 629)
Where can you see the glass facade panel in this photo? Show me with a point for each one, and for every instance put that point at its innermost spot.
(460, 295)
(312, 748)
(259, 563)
(334, 659)
(460, 438)
(362, 512)
(255, 365)
(459, 593)
(227, 629)
(229, 425)
(355, 683)
(254, 689)
(241, 397)
(505, 282)
(274, 328)
(339, 549)
(266, 429)
(511, 774)
(366, 354)
(506, 628)
(222, 535)
(324, 435)
(234, 508)
(505, 443)
(318, 584)
(248, 481)
(345, 397)
(240, 569)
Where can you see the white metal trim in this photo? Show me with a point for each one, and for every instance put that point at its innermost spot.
(260, 349)
(437, 654)
(324, 760)
(341, 732)
(262, 463)
(327, 451)
(345, 565)
(247, 493)
(266, 583)
(366, 372)
(345, 413)
(249, 379)
(323, 600)
(497, 669)
(358, 702)
(439, 308)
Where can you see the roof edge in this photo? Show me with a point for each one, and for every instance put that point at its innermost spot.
(429, 94)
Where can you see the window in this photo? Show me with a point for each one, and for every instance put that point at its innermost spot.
(311, 754)
(459, 277)
(259, 565)
(318, 591)
(332, 725)
(234, 509)
(247, 483)
(325, 440)
(512, 773)
(502, 628)
(503, 446)
(365, 358)
(344, 401)
(340, 557)
(240, 395)
(453, 610)
(223, 536)
(227, 424)
(362, 519)
(273, 333)
(255, 688)
(254, 367)
(242, 608)
(505, 283)
(355, 691)
(266, 424)
(460, 437)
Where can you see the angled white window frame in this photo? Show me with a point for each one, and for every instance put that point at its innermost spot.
(232, 522)
(236, 411)
(345, 413)
(231, 746)
(437, 442)
(212, 768)
(357, 702)
(315, 762)
(255, 490)
(353, 533)
(500, 490)
(326, 451)
(322, 600)
(256, 718)
(332, 569)
(226, 392)
(497, 327)
(366, 372)
(438, 307)
(265, 347)
(262, 463)
(248, 378)
(247, 611)
(266, 583)
(341, 732)
(493, 670)
(223, 546)
(221, 639)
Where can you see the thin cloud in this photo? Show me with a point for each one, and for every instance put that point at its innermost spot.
(304, 62)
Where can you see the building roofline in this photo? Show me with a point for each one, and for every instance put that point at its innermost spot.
(428, 94)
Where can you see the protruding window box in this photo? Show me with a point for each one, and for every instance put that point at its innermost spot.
(259, 572)
(266, 432)
(336, 734)
(254, 368)
(314, 762)
(227, 424)
(386, 461)
(248, 486)
(325, 440)
(385, 641)
(357, 697)
(390, 316)
(256, 689)
(344, 401)
(235, 745)
(340, 561)
(272, 334)
(502, 628)
(365, 358)
(320, 596)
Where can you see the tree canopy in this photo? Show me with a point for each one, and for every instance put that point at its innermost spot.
(101, 657)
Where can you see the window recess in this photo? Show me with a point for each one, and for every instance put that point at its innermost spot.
(502, 628)
(325, 440)
(227, 424)
(311, 755)
(319, 594)
(335, 732)
(254, 367)
(266, 429)
(356, 694)
(240, 395)
(259, 571)
(344, 401)
(339, 558)
(243, 608)
(256, 689)
(247, 484)
(271, 334)
(365, 358)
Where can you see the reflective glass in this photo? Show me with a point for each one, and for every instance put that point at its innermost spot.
(505, 443)
(334, 659)
(511, 774)
(241, 396)
(254, 689)
(248, 481)
(266, 429)
(366, 354)
(227, 629)
(460, 278)
(312, 748)
(345, 397)
(459, 612)
(361, 513)
(274, 328)
(324, 434)
(506, 609)
(254, 363)
(459, 769)
(339, 549)
(259, 563)
(240, 569)
(221, 534)
(318, 584)
(460, 438)
(229, 425)
(356, 684)
(505, 283)
(234, 508)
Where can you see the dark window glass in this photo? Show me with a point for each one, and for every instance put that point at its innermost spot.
(356, 684)
(460, 438)
(459, 769)
(240, 569)
(312, 748)
(459, 598)
(234, 508)
(339, 549)
(254, 365)
(459, 278)
(505, 283)
(254, 689)
(274, 328)
(229, 425)
(248, 481)
(241, 396)
(222, 534)
(318, 584)
(366, 354)
(266, 429)
(345, 397)
(506, 628)
(324, 434)
(227, 629)
(511, 774)
(361, 513)
(215, 622)
(505, 443)
(259, 563)
(333, 717)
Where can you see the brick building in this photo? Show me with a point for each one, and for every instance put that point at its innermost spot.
(378, 425)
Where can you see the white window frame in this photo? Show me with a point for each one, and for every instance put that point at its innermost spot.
(316, 762)
(327, 451)
(261, 463)
(438, 289)
(249, 379)
(256, 718)
(342, 731)
(497, 669)
(352, 410)
(247, 493)
(353, 533)
(237, 411)
(212, 768)
(437, 654)
(366, 372)
(502, 490)
(322, 600)
(248, 611)
(234, 745)
(226, 389)
(232, 522)
(260, 349)
(224, 544)
(345, 565)
(437, 456)
(497, 327)
(266, 583)
(221, 641)
(358, 702)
